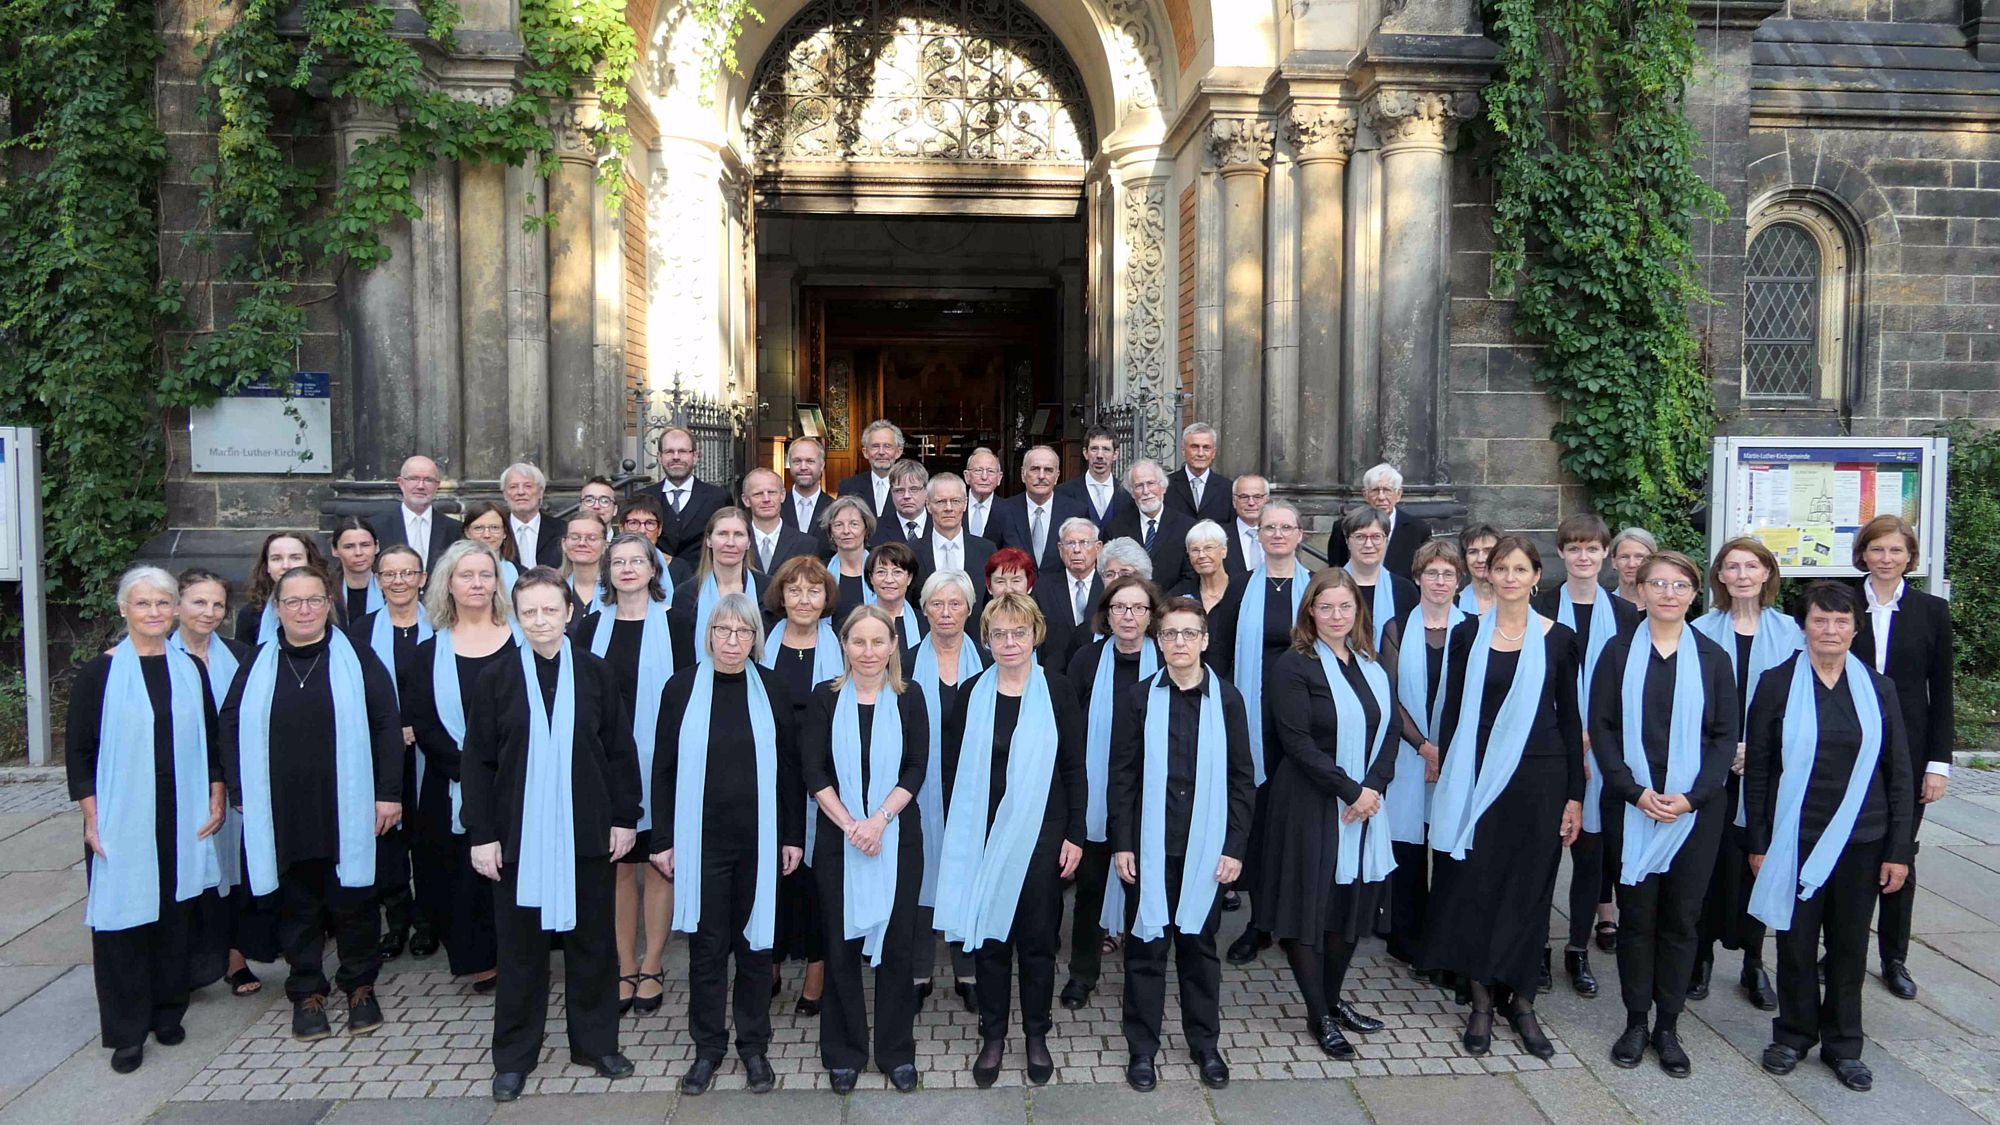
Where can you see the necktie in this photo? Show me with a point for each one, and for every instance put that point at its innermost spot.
(1038, 534)
(680, 496)
(949, 555)
(1194, 486)
(1152, 529)
(1082, 596)
(910, 530)
(764, 552)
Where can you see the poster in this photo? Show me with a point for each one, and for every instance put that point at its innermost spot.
(1807, 498)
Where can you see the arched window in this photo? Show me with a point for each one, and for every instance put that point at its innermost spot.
(1795, 305)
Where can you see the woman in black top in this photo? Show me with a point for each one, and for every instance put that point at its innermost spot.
(282, 551)
(1688, 736)
(142, 903)
(848, 524)
(947, 659)
(892, 577)
(354, 547)
(394, 632)
(838, 759)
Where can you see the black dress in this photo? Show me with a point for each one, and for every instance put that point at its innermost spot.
(1221, 654)
(239, 920)
(1489, 913)
(1402, 920)
(801, 935)
(622, 654)
(1725, 912)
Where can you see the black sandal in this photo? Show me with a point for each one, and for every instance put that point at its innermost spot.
(1607, 935)
(243, 982)
(625, 1002)
(647, 1005)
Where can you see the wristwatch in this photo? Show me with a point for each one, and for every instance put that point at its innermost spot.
(887, 816)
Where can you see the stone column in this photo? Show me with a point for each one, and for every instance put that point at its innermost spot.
(381, 327)
(1416, 127)
(1323, 136)
(526, 301)
(1241, 150)
(575, 424)
(1281, 318)
(1361, 351)
(482, 318)
(1139, 266)
(608, 444)
(434, 242)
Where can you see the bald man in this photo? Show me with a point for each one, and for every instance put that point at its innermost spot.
(414, 521)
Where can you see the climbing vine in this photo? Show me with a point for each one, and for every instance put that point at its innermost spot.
(1595, 196)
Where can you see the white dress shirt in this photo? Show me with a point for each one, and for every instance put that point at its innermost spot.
(948, 554)
(1881, 619)
(1196, 485)
(976, 511)
(1100, 494)
(417, 530)
(527, 537)
(1253, 550)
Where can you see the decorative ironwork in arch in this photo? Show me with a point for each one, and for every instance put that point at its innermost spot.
(889, 80)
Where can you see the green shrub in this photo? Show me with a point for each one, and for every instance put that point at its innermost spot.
(1972, 547)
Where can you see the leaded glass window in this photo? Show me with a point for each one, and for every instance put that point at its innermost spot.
(1781, 314)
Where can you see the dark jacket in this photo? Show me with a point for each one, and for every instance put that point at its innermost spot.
(1404, 539)
(444, 532)
(1216, 501)
(1169, 550)
(1920, 665)
(1888, 811)
(680, 532)
(1010, 526)
(1078, 489)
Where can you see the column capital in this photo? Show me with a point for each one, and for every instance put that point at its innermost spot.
(1320, 132)
(573, 124)
(1240, 145)
(1422, 120)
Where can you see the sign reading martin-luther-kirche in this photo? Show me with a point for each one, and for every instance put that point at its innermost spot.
(267, 428)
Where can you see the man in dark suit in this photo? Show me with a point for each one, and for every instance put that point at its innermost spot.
(1382, 487)
(772, 539)
(537, 535)
(948, 546)
(1194, 489)
(882, 445)
(1154, 526)
(1245, 551)
(907, 521)
(415, 521)
(1098, 487)
(982, 494)
(1069, 595)
(686, 501)
(1029, 520)
(806, 501)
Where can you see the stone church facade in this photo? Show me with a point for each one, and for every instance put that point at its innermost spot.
(995, 219)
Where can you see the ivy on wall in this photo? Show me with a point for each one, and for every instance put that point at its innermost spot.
(1595, 195)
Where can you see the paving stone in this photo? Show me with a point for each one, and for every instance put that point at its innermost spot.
(1257, 1103)
(436, 1111)
(586, 1109)
(1444, 1101)
(260, 1113)
(40, 1032)
(53, 844)
(931, 1106)
(779, 1107)
(1974, 815)
(29, 898)
(1573, 1097)
(18, 982)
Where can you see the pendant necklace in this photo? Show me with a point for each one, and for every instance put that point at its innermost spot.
(292, 666)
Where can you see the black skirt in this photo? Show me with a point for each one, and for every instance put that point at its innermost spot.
(1296, 897)
(799, 934)
(1489, 913)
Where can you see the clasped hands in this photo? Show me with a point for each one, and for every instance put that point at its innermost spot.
(1127, 866)
(1663, 807)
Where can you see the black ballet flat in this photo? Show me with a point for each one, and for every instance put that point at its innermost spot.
(125, 1060)
(1607, 935)
(1041, 1067)
(1231, 902)
(805, 1006)
(625, 1002)
(1530, 1030)
(924, 989)
(1477, 1039)
(986, 1067)
(482, 987)
(966, 995)
(170, 1036)
(647, 1005)
(1326, 1032)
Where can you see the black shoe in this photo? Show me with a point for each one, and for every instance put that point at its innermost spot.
(1698, 980)
(695, 1082)
(965, 995)
(1351, 1018)
(1630, 1050)
(170, 1036)
(364, 1012)
(1214, 1072)
(1548, 980)
(625, 1002)
(507, 1087)
(804, 1006)
(1673, 1059)
(486, 985)
(986, 1067)
(1244, 949)
(904, 1078)
(757, 1074)
(842, 1079)
(1853, 1074)
(1780, 1059)
(1140, 1075)
(1897, 976)
(1576, 963)
(613, 1065)
(1325, 1031)
(423, 942)
(1757, 988)
(309, 1019)
(125, 1060)
(924, 990)
(1075, 994)
(1530, 1030)
(392, 945)
(1477, 1038)
(1607, 935)
(1041, 1067)
(647, 1005)
(1232, 902)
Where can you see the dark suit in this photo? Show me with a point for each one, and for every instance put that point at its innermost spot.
(863, 485)
(791, 544)
(1216, 501)
(444, 532)
(990, 531)
(890, 529)
(1078, 489)
(1234, 561)
(811, 527)
(1404, 539)
(1009, 526)
(975, 551)
(1169, 550)
(548, 542)
(680, 532)
(1064, 638)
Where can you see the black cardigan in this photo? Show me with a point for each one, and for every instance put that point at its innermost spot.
(1300, 703)
(1125, 778)
(1719, 711)
(1888, 811)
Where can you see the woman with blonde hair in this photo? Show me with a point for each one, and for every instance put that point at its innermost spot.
(724, 569)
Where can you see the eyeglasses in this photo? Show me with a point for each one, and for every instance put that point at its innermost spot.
(626, 563)
(418, 480)
(293, 605)
(1278, 529)
(399, 575)
(1130, 610)
(1670, 585)
(642, 525)
(947, 504)
(1327, 609)
(1023, 635)
(731, 632)
(1372, 539)
(599, 501)
(1439, 574)
(1182, 636)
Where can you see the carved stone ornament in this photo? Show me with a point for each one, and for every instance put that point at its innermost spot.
(1320, 132)
(1144, 218)
(1138, 49)
(487, 97)
(1240, 142)
(1419, 118)
(574, 125)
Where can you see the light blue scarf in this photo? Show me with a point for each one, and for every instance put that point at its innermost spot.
(828, 663)
(374, 595)
(1603, 627)
(1383, 609)
(450, 705)
(509, 574)
(1097, 745)
(228, 840)
(546, 880)
(1468, 600)
(1782, 879)
(930, 799)
(691, 784)
(656, 667)
(125, 880)
(1208, 820)
(1363, 854)
(980, 873)
(1777, 638)
(1649, 846)
(704, 604)
(1407, 803)
(1464, 793)
(867, 882)
(1250, 655)
(267, 622)
(353, 766)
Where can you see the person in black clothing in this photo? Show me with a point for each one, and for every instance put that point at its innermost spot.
(524, 736)
(1874, 858)
(1327, 851)
(858, 805)
(142, 717)
(393, 632)
(999, 699)
(946, 661)
(892, 578)
(1382, 489)
(740, 716)
(1680, 703)
(1367, 538)
(355, 547)
(307, 834)
(281, 552)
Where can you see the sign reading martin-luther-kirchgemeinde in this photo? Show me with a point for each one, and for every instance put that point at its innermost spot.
(265, 429)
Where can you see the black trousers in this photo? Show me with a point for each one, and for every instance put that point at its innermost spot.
(313, 904)
(1892, 929)
(468, 931)
(1146, 973)
(590, 970)
(728, 890)
(1656, 923)
(1725, 915)
(1031, 944)
(433, 856)
(1409, 900)
(924, 962)
(1086, 936)
(1591, 877)
(142, 973)
(392, 881)
(1838, 914)
(1255, 848)
(843, 1015)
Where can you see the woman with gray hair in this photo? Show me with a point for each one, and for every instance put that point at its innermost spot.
(945, 661)
(1123, 556)
(1629, 549)
(728, 820)
(142, 747)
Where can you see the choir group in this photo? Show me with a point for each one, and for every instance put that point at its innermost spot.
(837, 729)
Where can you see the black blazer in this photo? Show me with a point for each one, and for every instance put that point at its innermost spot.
(976, 551)
(604, 764)
(444, 532)
(548, 542)
(1888, 811)
(1064, 639)
(1169, 554)
(792, 518)
(1125, 781)
(1216, 501)
(1078, 489)
(1008, 526)
(792, 543)
(1408, 534)
(863, 485)
(1234, 562)
(890, 529)
(680, 532)
(1919, 664)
